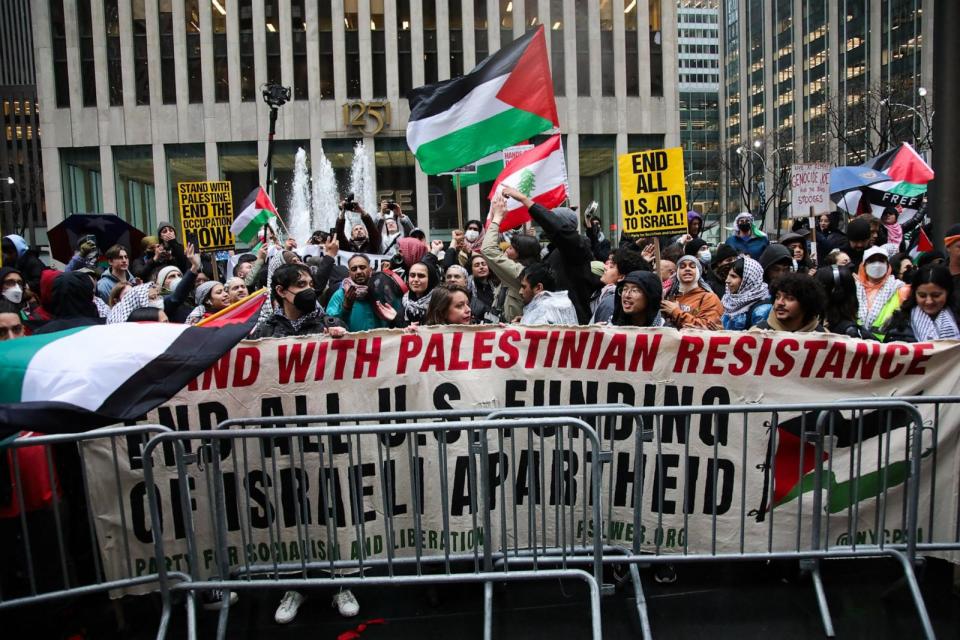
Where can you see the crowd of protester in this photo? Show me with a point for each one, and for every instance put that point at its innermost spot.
(863, 285)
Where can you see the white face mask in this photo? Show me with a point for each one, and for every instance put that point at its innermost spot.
(14, 294)
(471, 235)
(704, 256)
(175, 283)
(876, 270)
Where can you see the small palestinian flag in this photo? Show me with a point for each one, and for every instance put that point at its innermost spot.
(94, 376)
(505, 99)
(540, 174)
(922, 246)
(905, 192)
(257, 210)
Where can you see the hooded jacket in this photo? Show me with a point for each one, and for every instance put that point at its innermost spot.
(507, 271)
(570, 257)
(699, 307)
(653, 290)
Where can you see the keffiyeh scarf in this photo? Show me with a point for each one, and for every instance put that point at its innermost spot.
(925, 328)
(752, 289)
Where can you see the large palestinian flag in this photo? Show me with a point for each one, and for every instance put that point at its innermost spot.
(904, 192)
(90, 377)
(506, 98)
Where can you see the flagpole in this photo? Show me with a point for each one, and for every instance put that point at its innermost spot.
(459, 205)
(223, 311)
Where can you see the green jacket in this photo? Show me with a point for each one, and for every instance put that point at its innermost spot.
(507, 270)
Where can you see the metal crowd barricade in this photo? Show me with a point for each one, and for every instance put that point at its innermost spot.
(821, 426)
(70, 566)
(545, 524)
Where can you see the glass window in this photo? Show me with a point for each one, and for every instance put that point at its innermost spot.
(136, 196)
(404, 59)
(167, 63)
(87, 67)
(598, 176)
(378, 49)
(221, 74)
(352, 43)
(430, 42)
(191, 18)
(239, 165)
(58, 35)
(298, 28)
(656, 49)
(480, 40)
(608, 66)
(456, 38)
(271, 18)
(248, 91)
(325, 36)
(140, 73)
(111, 19)
(82, 181)
(506, 22)
(632, 49)
(185, 163)
(396, 176)
(583, 50)
(531, 14)
(556, 47)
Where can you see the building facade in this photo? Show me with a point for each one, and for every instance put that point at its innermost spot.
(834, 81)
(698, 61)
(143, 94)
(21, 175)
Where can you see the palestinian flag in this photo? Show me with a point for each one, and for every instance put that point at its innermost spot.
(94, 376)
(792, 465)
(488, 169)
(505, 99)
(257, 210)
(905, 192)
(922, 246)
(239, 312)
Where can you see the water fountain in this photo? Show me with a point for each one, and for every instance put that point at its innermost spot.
(363, 180)
(300, 208)
(325, 198)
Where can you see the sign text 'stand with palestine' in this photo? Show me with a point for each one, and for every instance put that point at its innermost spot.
(206, 213)
(653, 197)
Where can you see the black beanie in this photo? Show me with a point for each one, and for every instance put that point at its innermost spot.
(723, 252)
(858, 230)
(952, 231)
(692, 247)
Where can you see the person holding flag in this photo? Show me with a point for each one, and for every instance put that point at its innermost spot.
(952, 243)
(570, 254)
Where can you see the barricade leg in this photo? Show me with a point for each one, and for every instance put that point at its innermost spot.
(642, 614)
(487, 610)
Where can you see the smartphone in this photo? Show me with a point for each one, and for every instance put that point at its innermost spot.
(333, 232)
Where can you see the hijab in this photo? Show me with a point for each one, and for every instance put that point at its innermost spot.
(752, 289)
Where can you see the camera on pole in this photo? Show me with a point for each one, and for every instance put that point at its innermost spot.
(275, 95)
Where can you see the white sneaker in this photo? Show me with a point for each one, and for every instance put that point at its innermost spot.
(346, 604)
(289, 606)
(212, 600)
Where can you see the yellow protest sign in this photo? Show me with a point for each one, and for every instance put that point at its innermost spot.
(206, 213)
(653, 198)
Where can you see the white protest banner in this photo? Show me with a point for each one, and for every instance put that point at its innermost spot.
(727, 481)
(810, 189)
(514, 152)
(376, 260)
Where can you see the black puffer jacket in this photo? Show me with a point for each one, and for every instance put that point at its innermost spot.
(569, 258)
(279, 326)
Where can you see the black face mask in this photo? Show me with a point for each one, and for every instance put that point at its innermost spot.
(305, 301)
(743, 226)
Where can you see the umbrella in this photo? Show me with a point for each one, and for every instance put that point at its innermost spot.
(843, 179)
(109, 230)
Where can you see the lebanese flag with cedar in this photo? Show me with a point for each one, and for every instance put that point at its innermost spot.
(540, 174)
